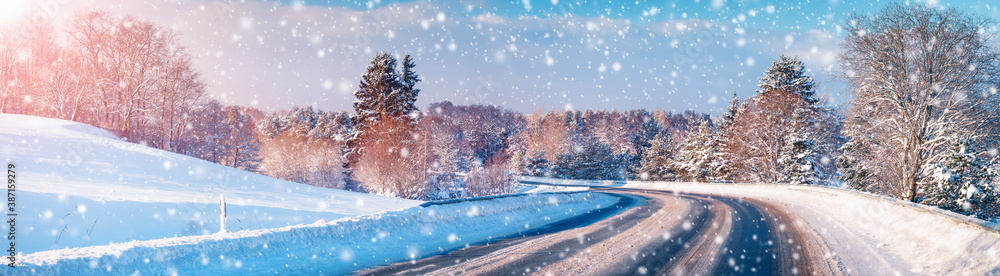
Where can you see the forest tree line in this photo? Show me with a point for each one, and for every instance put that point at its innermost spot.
(922, 123)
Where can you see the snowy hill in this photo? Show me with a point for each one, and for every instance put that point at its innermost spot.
(78, 186)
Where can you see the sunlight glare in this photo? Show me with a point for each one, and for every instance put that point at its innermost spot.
(12, 9)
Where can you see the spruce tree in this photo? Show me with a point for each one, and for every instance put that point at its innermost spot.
(783, 108)
(798, 161)
(851, 171)
(731, 111)
(376, 89)
(656, 162)
(962, 183)
(383, 94)
(695, 160)
(789, 74)
(537, 165)
(642, 140)
(722, 171)
(719, 169)
(409, 79)
(593, 160)
(797, 156)
(241, 145)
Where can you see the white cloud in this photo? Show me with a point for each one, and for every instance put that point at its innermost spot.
(489, 18)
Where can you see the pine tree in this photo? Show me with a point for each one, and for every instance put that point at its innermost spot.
(383, 94)
(719, 169)
(377, 85)
(536, 165)
(594, 160)
(409, 79)
(784, 106)
(789, 74)
(656, 162)
(962, 183)
(850, 171)
(694, 161)
(722, 171)
(642, 141)
(798, 161)
(731, 111)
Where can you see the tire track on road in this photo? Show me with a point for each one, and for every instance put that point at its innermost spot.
(480, 257)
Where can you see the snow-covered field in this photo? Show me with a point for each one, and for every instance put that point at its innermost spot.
(80, 186)
(874, 236)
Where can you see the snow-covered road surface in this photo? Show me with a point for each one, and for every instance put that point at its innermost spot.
(660, 233)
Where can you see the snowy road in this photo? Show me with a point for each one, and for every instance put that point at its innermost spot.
(648, 232)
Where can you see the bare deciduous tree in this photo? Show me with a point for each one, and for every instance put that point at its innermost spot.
(546, 135)
(755, 138)
(394, 163)
(140, 78)
(920, 75)
(178, 90)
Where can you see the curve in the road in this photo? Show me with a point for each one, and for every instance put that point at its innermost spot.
(436, 262)
(647, 232)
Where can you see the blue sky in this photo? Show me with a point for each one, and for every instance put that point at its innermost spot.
(783, 15)
(672, 55)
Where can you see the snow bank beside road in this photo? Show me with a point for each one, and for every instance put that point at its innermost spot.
(570, 182)
(335, 247)
(523, 188)
(869, 235)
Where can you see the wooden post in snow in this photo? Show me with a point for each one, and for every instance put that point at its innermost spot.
(222, 213)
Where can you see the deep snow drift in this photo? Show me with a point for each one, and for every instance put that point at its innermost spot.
(80, 186)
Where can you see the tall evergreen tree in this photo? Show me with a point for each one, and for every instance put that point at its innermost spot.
(409, 79)
(789, 74)
(731, 111)
(642, 141)
(241, 147)
(798, 160)
(383, 94)
(722, 170)
(851, 170)
(377, 85)
(784, 106)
